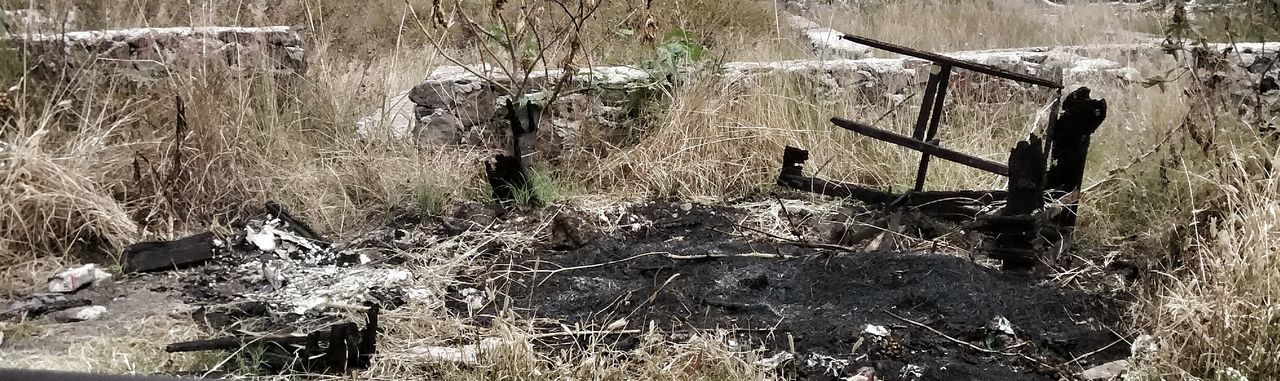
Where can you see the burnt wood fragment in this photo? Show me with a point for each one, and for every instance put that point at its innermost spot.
(1081, 116)
(167, 255)
(299, 226)
(934, 118)
(1016, 229)
(337, 349)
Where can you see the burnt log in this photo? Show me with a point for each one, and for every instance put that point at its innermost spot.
(167, 255)
(1081, 116)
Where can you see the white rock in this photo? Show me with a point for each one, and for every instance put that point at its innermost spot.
(876, 330)
(1001, 324)
(77, 278)
(80, 314)
(1108, 371)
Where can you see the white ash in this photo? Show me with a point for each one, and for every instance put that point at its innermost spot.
(300, 276)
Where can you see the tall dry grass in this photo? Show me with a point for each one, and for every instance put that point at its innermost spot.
(942, 25)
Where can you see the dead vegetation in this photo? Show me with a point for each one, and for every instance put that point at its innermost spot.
(96, 163)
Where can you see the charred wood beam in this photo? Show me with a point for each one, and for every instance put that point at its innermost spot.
(908, 142)
(941, 59)
(935, 116)
(955, 205)
(166, 255)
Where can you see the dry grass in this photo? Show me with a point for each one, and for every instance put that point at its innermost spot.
(973, 25)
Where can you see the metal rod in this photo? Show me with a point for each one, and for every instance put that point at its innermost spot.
(908, 142)
(938, 58)
(944, 80)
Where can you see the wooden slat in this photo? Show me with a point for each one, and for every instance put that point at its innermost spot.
(938, 58)
(908, 142)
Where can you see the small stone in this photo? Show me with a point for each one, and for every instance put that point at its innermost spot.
(1108, 371)
(686, 206)
(1001, 324)
(876, 330)
(79, 314)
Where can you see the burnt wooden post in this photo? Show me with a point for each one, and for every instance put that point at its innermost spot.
(1080, 117)
(931, 113)
(1015, 239)
(510, 173)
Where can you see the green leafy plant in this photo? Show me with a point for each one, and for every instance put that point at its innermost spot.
(680, 48)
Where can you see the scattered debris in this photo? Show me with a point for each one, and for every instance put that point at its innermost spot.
(1018, 228)
(828, 364)
(166, 255)
(773, 362)
(911, 372)
(334, 350)
(79, 314)
(1000, 324)
(74, 279)
(1109, 371)
(876, 330)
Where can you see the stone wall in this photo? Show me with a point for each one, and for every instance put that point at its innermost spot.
(149, 52)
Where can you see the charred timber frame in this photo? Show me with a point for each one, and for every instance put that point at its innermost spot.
(1029, 171)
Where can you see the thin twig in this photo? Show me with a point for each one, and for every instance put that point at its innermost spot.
(1081, 357)
(952, 339)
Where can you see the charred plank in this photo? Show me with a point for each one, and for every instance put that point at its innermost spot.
(938, 58)
(166, 255)
(908, 142)
(1081, 116)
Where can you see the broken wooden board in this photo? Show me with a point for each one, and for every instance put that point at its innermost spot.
(167, 255)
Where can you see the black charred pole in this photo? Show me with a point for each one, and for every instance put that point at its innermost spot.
(1081, 116)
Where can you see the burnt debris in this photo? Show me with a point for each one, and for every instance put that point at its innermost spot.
(1025, 227)
(335, 350)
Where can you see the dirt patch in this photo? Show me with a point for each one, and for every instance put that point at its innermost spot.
(823, 300)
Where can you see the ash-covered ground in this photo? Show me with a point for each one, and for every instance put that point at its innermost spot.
(680, 268)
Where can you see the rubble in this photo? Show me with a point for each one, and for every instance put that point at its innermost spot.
(74, 279)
